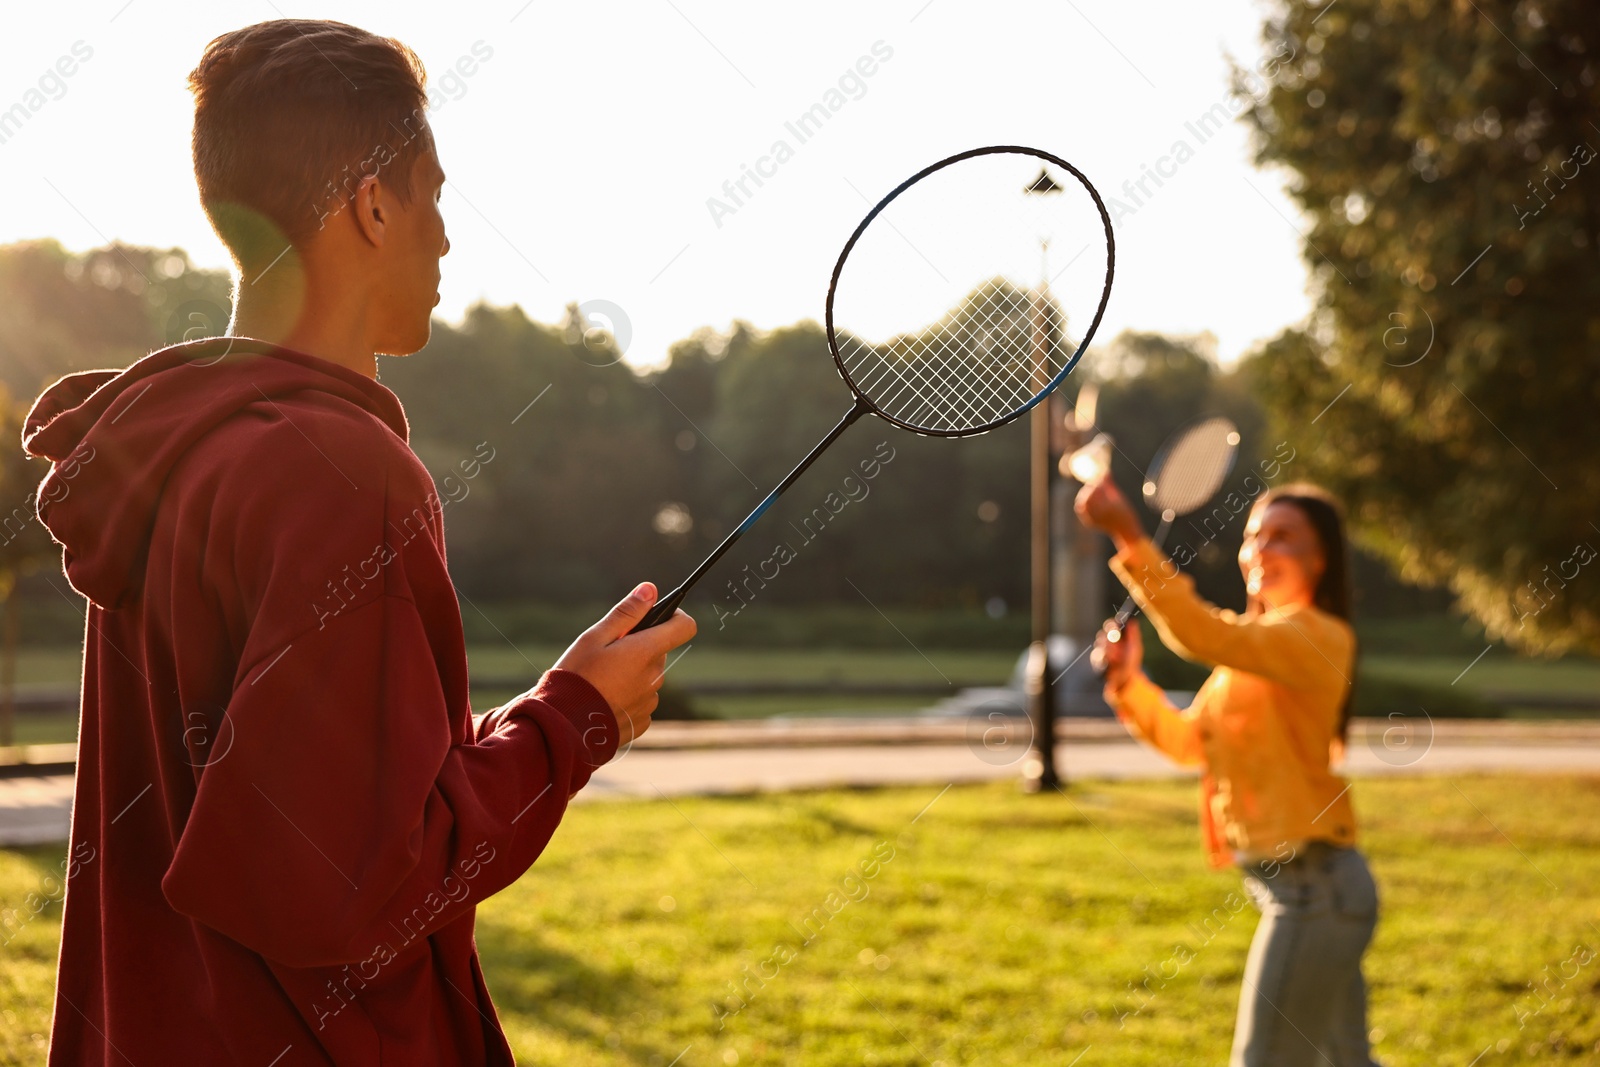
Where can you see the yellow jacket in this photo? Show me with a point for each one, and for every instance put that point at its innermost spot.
(1264, 726)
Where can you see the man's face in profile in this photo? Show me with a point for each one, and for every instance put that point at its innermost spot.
(414, 241)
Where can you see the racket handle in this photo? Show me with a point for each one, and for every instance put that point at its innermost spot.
(663, 610)
(1128, 610)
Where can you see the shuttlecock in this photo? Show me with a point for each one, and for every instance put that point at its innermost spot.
(1092, 462)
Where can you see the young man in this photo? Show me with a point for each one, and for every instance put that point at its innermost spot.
(285, 812)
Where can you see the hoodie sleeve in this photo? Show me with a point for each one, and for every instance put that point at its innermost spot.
(357, 808)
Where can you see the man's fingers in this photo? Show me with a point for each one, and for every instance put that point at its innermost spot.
(626, 615)
(659, 640)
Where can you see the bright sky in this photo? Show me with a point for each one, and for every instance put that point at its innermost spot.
(588, 138)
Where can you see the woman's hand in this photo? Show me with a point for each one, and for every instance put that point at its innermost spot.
(1121, 660)
(1102, 506)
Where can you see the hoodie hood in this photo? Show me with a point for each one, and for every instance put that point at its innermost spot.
(114, 437)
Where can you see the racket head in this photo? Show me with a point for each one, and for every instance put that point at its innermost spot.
(968, 363)
(1191, 466)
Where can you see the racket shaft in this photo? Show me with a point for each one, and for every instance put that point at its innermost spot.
(1129, 609)
(668, 604)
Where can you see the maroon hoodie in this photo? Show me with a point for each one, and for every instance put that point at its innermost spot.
(285, 812)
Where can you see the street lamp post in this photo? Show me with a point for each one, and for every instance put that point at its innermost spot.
(1039, 769)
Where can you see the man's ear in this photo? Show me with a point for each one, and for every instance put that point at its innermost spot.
(369, 210)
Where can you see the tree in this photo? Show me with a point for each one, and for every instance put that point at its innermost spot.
(24, 544)
(1446, 160)
(61, 312)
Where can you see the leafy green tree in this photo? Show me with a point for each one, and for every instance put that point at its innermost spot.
(565, 475)
(25, 545)
(545, 454)
(1445, 157)
(63, 312)
(921, 536)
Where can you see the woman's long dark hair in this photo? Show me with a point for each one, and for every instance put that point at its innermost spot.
(1333, 593)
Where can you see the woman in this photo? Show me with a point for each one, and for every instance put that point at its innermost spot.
(1263, 727)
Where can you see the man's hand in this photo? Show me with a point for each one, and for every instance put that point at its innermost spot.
(628, 668)
(1102, 506)
(1121, 660)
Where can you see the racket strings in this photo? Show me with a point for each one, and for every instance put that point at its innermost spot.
(945, 339)
(1185, 494)
(917, 375)
(1194, 467)
(977, 364)
(940, 314)
(935, 374)
(969, 345)
(981, 342)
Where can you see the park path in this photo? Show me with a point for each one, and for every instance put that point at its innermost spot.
(650, 773)
(678, 759)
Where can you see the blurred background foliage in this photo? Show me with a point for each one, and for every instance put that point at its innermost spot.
(591, 476)
(1448, 180)
(1441, 387)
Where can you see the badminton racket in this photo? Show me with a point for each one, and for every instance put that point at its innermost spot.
(961, 300)
(1187, 471)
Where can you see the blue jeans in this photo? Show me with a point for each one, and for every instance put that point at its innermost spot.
(1303, 1000)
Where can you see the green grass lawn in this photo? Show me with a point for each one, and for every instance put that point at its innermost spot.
(996, 928)
(49, 667)
(705, 661)
(45, 729)
(1499, 671)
